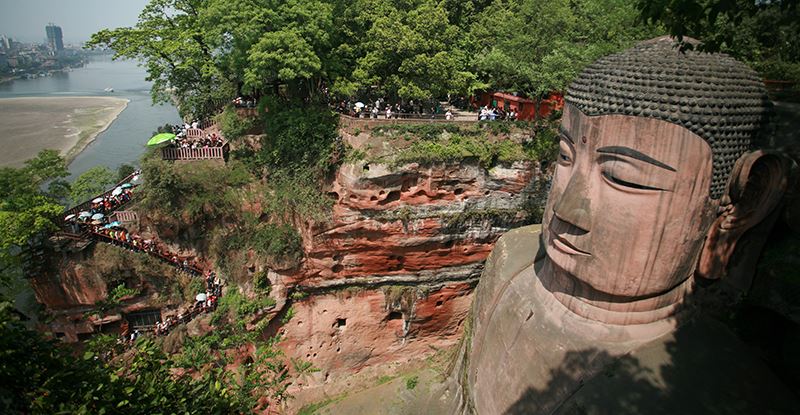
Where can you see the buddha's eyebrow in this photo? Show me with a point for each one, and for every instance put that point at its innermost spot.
(626, 151)
(564, 132)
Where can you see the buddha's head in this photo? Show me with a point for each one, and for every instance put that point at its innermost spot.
(656, 180)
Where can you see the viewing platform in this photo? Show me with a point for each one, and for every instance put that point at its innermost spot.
(206, 152)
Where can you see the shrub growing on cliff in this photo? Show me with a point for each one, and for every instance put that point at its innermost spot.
(90, 184)
(232, 126)
(201, 192)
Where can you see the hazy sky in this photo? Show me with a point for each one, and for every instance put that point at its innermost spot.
(26, 19)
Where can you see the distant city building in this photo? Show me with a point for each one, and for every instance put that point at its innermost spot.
(5, 44)
(54, 37)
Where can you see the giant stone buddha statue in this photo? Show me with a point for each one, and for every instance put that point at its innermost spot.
(593, 312)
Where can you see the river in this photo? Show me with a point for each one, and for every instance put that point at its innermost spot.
(124, 141)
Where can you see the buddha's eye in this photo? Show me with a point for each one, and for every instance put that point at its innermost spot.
(626, 183)
(565, 153)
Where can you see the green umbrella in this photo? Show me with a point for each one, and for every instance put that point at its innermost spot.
(160, 138)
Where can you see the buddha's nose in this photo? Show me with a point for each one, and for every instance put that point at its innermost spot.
(574, 206)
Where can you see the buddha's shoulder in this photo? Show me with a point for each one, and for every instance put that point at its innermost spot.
(515, 251)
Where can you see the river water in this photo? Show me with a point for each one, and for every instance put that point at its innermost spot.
(123, 141)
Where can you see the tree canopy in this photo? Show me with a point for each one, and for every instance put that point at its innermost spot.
(29, 204)
(762, 33)
(204, 51)
(91, 183)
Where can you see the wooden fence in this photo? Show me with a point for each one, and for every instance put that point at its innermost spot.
(194, 133)
(206, 153)
(127, 216)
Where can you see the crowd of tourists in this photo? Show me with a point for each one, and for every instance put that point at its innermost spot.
(244, 102)
(190, 135)
(488, 113)
(381, 108)
(204, 303)
(110, 202)
(205, 141)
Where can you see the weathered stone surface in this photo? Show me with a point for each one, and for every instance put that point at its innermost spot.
(75, 286)
(349, 330)
(411, 219)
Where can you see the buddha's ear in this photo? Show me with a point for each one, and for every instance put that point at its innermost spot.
(756, 186)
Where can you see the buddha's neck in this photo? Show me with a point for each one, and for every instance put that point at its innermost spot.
(585, 301)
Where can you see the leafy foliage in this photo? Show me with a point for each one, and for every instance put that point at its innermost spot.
(763, 33)
(207, 51)
(201, 193)
(57, 382)
(26, 211)
(90, 184)
(536, 47)
(449, 143)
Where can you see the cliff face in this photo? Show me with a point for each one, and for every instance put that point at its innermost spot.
(387, 278)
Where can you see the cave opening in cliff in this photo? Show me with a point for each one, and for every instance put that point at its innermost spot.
(395, 315)
(340, 323)
(143, 319)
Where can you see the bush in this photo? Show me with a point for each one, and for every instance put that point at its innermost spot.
(459, 147)
(293, 196)
(90, 184)
(200, 192)
(411, 382)
(124, 170)
(232, 126)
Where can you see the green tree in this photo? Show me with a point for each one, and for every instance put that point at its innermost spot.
(409, 50)
(536, 46)
(124, 170)
(90, 184)
(39, 376)
(29, 205)
(171, 38)
(762, 33)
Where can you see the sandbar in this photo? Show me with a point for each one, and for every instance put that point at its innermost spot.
(66, 124)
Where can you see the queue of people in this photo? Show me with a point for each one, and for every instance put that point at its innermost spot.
(204, 303)
(110, 202)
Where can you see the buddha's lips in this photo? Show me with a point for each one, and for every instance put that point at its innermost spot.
(558, 239)
(561, 242)
(569, 247)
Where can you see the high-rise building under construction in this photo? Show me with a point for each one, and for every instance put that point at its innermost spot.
(54, 37)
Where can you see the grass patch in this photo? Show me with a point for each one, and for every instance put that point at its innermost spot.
(411, 382)
(449, 143)
(385, 379)
(312, 408)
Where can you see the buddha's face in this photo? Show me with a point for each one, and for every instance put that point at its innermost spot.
(629, 205)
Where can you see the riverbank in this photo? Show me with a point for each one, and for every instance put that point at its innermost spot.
(66, 124)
